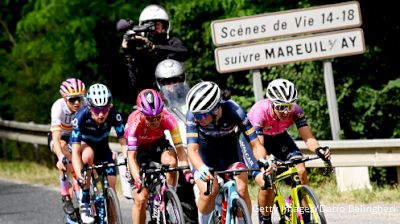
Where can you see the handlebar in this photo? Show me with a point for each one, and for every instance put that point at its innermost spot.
(231, 173)
(158, 170)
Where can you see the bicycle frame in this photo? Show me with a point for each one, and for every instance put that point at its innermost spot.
(291, 172)
(100, 186)
(295, 182)
(159, 180)
(227, 191)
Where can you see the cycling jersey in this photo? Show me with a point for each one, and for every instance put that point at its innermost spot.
(233, 116)
(61, 120)
(140, 136)
(85, 128)
(277, 141)
(218, 141)
(61, 117)
(262, 117)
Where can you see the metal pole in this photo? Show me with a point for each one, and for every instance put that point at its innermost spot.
(347, 178)
(331, 98)
(257, 85)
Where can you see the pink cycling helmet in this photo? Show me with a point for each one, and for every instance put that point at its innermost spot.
(72, 87)
(150, 102)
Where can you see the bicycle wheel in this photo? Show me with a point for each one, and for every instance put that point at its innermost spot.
(173, 210)
(311, 212)
(215, 217)
(114, 215)
(239, 211)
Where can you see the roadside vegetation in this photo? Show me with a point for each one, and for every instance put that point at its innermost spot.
(326, 189)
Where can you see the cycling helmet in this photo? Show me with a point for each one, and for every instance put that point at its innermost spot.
(99, 95)
(169, 69)
(154, 13)
(72, 87)
(150, 102)
(203, 97)
(281, 91)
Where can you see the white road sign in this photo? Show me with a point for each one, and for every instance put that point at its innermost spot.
(313, 47)
(285, 23)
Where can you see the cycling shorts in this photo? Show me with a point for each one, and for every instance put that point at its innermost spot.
(282, 146)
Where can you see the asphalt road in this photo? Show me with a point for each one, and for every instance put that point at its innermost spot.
(23, 203)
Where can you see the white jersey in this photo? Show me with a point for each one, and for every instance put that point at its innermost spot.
(61, 117)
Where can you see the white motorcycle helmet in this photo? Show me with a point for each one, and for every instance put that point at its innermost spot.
(155, 13)
(169, 71)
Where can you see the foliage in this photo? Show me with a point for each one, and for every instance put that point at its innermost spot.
(47, 41)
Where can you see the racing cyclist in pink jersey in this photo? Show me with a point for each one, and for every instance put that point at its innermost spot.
(271, 118)
(147, 142)
(63, 111)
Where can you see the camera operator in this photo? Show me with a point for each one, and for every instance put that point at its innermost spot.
(148, 44)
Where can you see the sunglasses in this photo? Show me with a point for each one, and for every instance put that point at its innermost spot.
(202, 116)
(74, 98)
(283, 107)
(98, 110)
(153, 118)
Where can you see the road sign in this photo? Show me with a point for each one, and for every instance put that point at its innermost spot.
(286, 23)
(312, 47)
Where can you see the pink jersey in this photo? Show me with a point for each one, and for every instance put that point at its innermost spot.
(140, 136)
(262, 117)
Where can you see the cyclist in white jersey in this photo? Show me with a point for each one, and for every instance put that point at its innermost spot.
(63, 111)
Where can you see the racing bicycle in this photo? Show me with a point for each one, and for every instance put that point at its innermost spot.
(163, 205)
(303, 205)
(229, 206)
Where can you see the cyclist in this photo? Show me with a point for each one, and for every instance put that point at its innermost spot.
(63, 111)
(271, 118)
(213, 142)
(144, 52)
(171, 80)
(147, 142)
(89, 140)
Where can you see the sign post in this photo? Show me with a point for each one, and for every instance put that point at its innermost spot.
(251, 50)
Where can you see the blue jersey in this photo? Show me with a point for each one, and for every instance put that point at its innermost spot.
(85, 128)
(233, 116)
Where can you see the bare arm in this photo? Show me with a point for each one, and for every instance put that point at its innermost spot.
(133, 164)
(194, 155)
(77, 159)
(259, 150)
(308, 137)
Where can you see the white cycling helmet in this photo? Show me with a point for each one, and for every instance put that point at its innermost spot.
(203, 97)
(99, 95)
(154, 13)
(281, 91)
(169, 71)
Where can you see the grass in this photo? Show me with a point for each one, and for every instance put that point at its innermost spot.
(327, 191)
(33, 173)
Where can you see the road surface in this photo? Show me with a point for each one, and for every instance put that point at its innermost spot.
(23, 203)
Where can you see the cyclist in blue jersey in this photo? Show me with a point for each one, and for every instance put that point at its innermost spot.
(213, 142)
(89, 140)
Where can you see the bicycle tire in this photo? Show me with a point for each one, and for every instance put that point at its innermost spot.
(173, 210)
(112, 207)
(239, 205)
(215, 217)
(316, 214)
